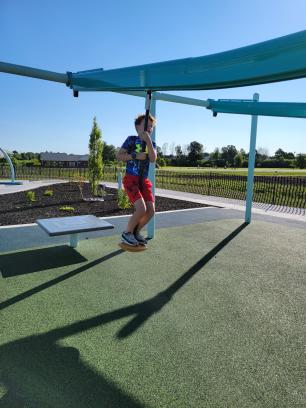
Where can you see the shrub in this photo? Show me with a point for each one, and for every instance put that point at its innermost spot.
(300, 161)
(123, 200)
(48, 193)
(30, 195)
(161, 162)
(277, 163)
(67, 208)
(80, 180)
(102, 190)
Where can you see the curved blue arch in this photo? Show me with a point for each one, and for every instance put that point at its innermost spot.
(12, 170)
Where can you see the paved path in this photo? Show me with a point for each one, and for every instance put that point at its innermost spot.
(14, 238)
(27, 185)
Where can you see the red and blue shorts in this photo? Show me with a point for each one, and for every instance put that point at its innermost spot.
(131, 187)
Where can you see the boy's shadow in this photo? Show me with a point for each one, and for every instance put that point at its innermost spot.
(37, 372)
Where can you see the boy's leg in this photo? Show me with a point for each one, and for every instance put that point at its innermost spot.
(150, 211)
(138, 215)
(131, 186)
(149, 203)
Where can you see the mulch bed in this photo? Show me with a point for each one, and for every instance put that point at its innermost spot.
(15, 208)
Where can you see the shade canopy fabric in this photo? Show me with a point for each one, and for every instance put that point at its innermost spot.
(279, 59)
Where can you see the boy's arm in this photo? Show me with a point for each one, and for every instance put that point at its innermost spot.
(123, 155)
(151, 151)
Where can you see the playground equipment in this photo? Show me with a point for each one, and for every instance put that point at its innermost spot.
(72, 226)
(280, 59)
(12, 170)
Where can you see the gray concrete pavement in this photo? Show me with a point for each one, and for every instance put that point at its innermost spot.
(14, 238)
(27, 185)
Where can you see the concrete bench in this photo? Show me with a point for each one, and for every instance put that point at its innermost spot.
(72, 226)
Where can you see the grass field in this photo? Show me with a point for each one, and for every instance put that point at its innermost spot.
(240, 171)
(287, 191)
(110, 172)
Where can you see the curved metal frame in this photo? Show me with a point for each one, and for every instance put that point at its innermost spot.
(10, 164)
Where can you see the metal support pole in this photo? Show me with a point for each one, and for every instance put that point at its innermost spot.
(33, 72)
(119, 179)
(73, 240)
(10, 164)
(151, 224)
(252, 152)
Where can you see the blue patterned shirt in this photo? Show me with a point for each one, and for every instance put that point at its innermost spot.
(133, 144)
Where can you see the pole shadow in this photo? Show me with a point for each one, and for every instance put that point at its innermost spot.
(57, 280)
(148, 308)
(142, 311)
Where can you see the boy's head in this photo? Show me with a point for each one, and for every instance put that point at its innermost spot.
(139, 123)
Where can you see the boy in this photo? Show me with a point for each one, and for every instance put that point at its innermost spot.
(140, 196)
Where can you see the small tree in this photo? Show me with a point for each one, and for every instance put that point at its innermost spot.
(195, 152)
(109, 153)
(215, 156)
(95, 162)
(300, 161)
(178, 151)
(228, 154)
(238, 159)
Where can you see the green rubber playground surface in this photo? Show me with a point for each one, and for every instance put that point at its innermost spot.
(211, 315)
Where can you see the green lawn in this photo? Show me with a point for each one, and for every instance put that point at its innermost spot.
(258, 172)
(285, 191)
(210, 320)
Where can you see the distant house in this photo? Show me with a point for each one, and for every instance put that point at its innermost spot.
(63, 160)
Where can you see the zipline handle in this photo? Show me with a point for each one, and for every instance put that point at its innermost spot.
(143, 144)
(147, 107)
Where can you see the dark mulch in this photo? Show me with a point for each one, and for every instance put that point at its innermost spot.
(16, 209)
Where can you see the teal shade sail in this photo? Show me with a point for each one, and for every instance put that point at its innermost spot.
(279, 59)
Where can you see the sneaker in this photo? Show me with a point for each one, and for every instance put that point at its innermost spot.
(141, 240)
(128, 238)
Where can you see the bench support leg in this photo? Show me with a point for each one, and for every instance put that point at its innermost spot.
(73, 240)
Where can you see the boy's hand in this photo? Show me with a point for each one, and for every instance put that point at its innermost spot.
(141, 156)
(145, 136)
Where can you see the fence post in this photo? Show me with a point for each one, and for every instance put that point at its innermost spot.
(119, 179)
(252, 152)
(274, 187)
(151, 224)
(209, 183)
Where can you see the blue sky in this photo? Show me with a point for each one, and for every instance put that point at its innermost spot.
(62, 36)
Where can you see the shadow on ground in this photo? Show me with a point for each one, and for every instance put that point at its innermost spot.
(36, 371)
(20, 263)
(57, 280)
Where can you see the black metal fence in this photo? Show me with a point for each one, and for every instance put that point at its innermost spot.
(287, 191)
(279, 190)
(39, 173)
